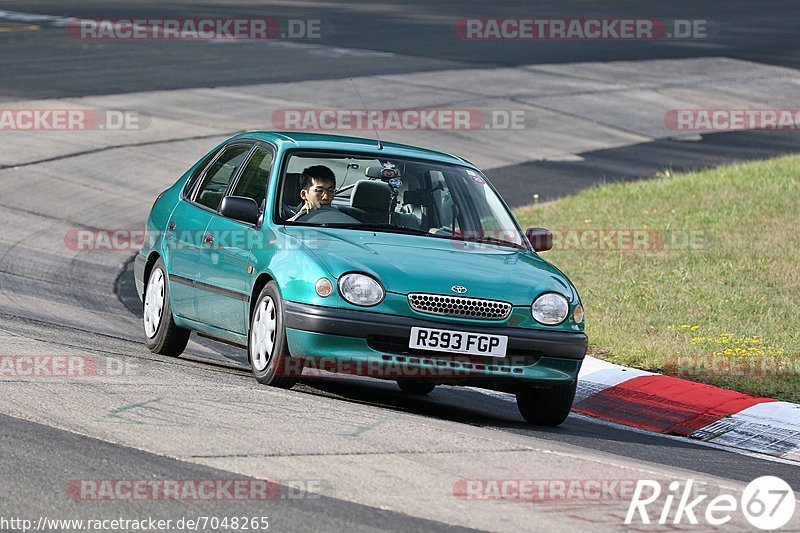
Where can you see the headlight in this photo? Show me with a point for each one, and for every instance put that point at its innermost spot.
(550, 309)
(577, 314)
(360, 289)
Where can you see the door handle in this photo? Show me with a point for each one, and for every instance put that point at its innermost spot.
(208, 239)
(171, 226)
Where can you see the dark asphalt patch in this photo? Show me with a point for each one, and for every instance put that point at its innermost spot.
(40, 464)
(554, 179)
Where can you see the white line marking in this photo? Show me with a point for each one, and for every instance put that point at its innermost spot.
(17, 16)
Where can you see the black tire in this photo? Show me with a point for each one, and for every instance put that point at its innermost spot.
(169, 339)
(281, 370)
(546, 407)
(416, 387)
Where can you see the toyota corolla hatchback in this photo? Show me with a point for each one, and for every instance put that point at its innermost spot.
(351, 255)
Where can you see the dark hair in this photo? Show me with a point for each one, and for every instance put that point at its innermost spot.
(320, 172)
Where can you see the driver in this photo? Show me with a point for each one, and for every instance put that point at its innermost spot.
(316, 189)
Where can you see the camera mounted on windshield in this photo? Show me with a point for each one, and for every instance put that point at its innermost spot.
(387, 172)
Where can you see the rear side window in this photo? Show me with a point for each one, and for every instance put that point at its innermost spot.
(253, 183)
(192, 181)
(219, 176)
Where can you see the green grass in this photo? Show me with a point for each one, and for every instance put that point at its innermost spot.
(718, 299)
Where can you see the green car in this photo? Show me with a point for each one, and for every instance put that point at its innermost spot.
(353, 255)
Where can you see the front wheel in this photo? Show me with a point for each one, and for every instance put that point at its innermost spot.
(546, 407)
(266, 347)
(162, 335)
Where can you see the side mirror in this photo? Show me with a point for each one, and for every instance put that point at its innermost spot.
(541, 239)
(240, 208)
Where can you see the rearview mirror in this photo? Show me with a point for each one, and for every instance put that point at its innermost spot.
(240, 208)
(541, 239)
(384, 173)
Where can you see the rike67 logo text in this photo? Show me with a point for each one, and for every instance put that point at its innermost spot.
(767, 503)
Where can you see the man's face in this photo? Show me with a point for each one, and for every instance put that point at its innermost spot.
(320, 193)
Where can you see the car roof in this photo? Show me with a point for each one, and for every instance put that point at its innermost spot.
(298, 139)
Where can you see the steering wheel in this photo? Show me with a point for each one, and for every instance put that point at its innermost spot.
(327, 214)
(287, 211)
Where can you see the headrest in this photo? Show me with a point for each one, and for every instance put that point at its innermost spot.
(371, 196)
(418, 197)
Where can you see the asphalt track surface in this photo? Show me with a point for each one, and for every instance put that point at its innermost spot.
(419, 35)
(26, 444)
(386, 461)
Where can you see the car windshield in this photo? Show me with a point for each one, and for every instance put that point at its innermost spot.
(395, 195)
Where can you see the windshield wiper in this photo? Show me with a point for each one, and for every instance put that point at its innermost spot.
(495, 240)
(391, 228)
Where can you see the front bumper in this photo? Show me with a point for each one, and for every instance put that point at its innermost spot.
(374, 344)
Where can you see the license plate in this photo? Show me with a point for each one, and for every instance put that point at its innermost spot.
(442, 340)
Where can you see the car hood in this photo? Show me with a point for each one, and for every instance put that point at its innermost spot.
(415, 263)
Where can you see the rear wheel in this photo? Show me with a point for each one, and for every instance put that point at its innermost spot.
(267, 349)
(546, 407)
(415, 386)
(162, 335)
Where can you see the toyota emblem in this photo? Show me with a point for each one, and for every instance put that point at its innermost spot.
(458, 289)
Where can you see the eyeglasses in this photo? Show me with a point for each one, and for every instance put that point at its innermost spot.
(323, 190)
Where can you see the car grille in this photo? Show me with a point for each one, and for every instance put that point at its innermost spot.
(458, 306)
